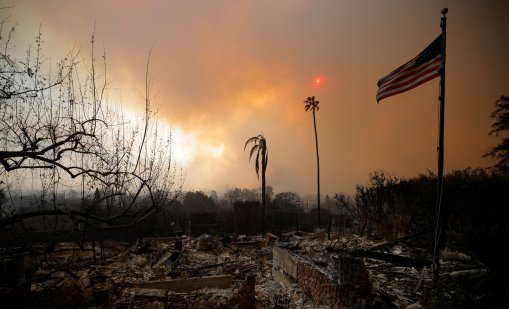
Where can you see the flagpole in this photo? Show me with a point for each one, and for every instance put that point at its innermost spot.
(438, 211)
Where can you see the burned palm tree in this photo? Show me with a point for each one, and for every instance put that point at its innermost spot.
(312, 104)
(262, 156)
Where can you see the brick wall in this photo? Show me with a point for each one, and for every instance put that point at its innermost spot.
(348, 287)
(323, 289)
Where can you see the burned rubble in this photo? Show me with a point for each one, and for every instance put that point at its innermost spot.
(296, 270)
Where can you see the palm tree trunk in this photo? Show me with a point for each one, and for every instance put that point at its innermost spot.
(318, 170)
(264, 167)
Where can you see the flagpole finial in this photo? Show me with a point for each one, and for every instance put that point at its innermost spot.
(444, 11)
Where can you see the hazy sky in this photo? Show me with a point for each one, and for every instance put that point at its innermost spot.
(224, 71)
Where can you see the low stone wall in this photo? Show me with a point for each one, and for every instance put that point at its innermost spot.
(323, 289)
(349, 287)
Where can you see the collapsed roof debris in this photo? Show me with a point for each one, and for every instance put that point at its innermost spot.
(296, 270)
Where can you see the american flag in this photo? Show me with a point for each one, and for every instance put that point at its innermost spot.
(415, 72)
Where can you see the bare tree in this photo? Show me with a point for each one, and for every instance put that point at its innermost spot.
(63, 123)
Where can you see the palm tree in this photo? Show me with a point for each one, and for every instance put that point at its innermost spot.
(312, 104)
(262, 155)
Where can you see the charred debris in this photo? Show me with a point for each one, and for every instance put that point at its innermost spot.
(292, 270)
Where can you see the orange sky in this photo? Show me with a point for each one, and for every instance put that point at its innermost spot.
(224, 71)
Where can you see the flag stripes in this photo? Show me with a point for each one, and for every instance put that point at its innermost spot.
(424, 67)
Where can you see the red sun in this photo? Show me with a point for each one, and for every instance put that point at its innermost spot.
(318, 81)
